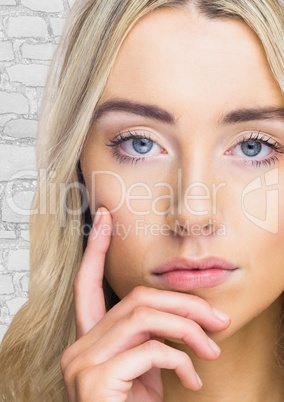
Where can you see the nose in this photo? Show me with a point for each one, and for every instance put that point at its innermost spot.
(197, 207)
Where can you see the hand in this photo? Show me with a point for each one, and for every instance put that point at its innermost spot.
(118, 355)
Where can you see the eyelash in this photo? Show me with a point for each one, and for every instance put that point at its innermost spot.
(122, 137)
(268, 162)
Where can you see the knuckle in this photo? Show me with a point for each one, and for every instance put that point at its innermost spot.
(138, 294)
(65, 359)
(197, 302)
(69, 373)
(84, 381)
(94, 382)
(194, 333)
(152, 346)
(194, 329)
(140, 314)
(184, 359)
(194, 326)
(78, 370)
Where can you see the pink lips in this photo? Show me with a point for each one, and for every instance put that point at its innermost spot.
(186, 274)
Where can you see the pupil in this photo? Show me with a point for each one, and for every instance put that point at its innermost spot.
(142, 145)
(251, 148)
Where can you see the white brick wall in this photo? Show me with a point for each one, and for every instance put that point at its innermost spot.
(29, 33)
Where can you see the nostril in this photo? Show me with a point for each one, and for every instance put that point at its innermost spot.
(195, 229)
(182, 230)
(207, 229)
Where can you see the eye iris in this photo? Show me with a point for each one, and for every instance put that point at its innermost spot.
(251, 148)
(142, 145)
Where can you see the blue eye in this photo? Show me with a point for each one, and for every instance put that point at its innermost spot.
(134, 146)
(251, 148)
(142, 145)
(257, 150)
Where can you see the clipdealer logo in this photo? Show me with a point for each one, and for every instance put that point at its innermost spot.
(270, 223)
(50, 204)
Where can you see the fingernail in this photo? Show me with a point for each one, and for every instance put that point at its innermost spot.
(199, 380)
(222, 316)
(97, 218)
(214, 346)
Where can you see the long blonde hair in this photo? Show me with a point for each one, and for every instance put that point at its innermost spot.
(45, 326)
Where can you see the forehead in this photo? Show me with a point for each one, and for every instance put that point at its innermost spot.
(179, 56)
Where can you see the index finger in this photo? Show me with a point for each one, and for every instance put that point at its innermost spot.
(88, 285)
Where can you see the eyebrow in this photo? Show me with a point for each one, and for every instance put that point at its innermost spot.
(141, 109)
(253, 114)
(157, 113)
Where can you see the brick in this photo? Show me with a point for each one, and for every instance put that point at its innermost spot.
(18, 260)
(33, 75)
(8, 3)
(39, 52)
(26, 26)
(71, 3)
(6, 51)
(13, 103)
(4, 312)
(6, 284)
(4, 234)
(14, 305)
(17, 208)
(25, 234)
(49, 6)
(16, 160)
(3, 328)
(21, 128)
(25, 283)
(57, 25)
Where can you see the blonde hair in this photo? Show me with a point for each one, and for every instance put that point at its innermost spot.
(45, 326)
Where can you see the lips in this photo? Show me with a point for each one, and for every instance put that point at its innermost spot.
(186, 274)
(191, 264)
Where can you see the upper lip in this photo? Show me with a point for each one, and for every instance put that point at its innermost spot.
(179, 263)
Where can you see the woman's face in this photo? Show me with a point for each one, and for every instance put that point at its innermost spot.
(208, 153)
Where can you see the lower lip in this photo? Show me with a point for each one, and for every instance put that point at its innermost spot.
(186, 279)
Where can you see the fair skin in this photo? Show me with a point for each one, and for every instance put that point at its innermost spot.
(199, 71)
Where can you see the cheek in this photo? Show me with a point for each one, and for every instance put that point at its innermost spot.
(255, 208)
(104, 189)
(255, 240)
(130, 205)
(136, 243)
(129, 197)
(122, 269)
(263, 208)
(136, 205)
(258, 231)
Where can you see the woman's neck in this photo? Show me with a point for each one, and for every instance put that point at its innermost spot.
(246, 371)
